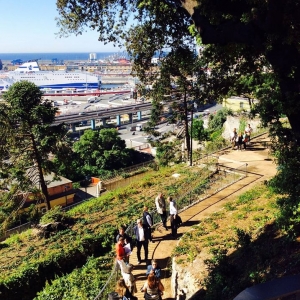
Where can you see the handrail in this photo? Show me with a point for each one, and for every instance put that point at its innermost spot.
(115, 268)
(184, 201)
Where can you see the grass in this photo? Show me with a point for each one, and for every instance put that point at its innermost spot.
(93, 226)
(243, 233)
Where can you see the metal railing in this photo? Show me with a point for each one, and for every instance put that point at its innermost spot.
(222, 178)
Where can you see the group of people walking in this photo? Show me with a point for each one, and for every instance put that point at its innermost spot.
(241, 139)
(152, 288)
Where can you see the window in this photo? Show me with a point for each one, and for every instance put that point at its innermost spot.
(241, 105)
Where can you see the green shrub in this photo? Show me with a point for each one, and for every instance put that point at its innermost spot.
(56, 214)
(84, 283)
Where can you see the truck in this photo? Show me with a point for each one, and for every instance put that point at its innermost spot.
(137, 127)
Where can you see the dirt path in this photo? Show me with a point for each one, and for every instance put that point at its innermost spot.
(259, 168)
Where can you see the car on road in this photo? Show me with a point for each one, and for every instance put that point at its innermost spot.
(148, 137)
(82, 113)
(93, 99)
(206, 112)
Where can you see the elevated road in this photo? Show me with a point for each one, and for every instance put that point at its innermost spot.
(101, 113)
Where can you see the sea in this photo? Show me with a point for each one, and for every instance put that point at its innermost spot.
(62, 56)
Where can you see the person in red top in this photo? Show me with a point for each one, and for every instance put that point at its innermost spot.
(120, 251)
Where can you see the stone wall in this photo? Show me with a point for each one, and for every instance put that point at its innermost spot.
(187, 277)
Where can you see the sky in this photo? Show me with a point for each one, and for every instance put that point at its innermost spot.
(29, 26)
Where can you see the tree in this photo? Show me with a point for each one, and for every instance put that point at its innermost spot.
(27, 138)
(198, 131)
(168, 152)
(102, 149)
(244, 36)
(249, 47)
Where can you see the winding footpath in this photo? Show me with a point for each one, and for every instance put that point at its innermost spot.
(259, 168)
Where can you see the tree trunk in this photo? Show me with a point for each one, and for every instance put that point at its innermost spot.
(187, 134)
(40, 171)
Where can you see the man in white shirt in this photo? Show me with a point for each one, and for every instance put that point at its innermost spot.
(173, 214)
(141, 240)
(248, 131)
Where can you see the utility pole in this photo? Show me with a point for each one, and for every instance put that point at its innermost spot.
(191, 150)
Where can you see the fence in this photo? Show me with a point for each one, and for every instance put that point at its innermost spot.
(14, 230)
(118, 174)
(222, 178)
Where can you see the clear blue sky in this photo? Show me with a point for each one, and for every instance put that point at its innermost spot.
(29, 26)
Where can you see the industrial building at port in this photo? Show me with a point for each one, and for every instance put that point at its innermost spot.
(109, 66)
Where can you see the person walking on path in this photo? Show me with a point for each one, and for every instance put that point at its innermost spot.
(173, 214)
(121, 255)
(147, 222)
(141, 240)
(130, 279)
(160, 203)
(153, 269)
(241, 143)
(248, 131)
(123, 290)
(153, 288)
(233, 138)
(122, 233)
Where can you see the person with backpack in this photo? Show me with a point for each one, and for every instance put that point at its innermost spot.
(173, 215)
(148, 222)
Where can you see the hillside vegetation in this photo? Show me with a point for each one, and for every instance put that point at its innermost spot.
(239, 246)
(29, 260)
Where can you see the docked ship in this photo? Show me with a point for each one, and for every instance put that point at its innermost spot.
(5, 83)
(31, 72)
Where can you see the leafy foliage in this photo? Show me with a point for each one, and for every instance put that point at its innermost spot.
(83, 283)
(28, 138)
(198, 131)
(56, 214)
